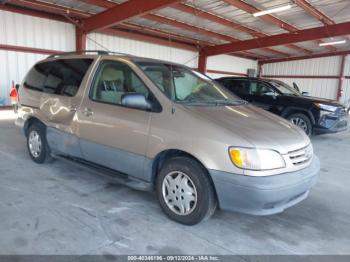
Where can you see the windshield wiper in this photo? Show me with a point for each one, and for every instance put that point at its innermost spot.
(193, 102)
(219, 102)
(229, 102)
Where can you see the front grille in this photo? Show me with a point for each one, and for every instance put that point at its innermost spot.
(301, 156)
(342, 111)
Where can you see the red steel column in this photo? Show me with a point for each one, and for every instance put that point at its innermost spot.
(80, 39)
(260, 68)
(202, 62)
(341, 77)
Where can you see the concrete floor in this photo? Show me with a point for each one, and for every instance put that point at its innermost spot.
(61, 209)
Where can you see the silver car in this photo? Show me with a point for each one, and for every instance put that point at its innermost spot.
(156, 125)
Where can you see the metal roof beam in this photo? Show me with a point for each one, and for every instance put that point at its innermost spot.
(251, 54)
(164, 34)
(205, 15)
(214, 18)
(327, 54)
(276, 52)
(182, 25)
(37, 12)
(123, 12)
(311, 10)
(50, 8)
(282, 39)
(269, 18)
(32, 12)
(100, 3)
(148, 38)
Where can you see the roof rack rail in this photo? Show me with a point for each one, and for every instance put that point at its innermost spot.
(100, 52)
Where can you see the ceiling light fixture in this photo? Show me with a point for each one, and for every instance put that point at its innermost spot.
(273, 10)
(333, 43)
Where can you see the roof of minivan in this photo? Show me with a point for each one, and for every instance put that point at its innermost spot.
(106, 55)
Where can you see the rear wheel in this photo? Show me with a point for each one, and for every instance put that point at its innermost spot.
(38, 148)
(301, 121)
(185, 191)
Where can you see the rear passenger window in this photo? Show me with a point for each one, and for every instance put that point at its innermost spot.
(59, 77)
(36, 77)
(260, 89)
(238, 87)
(113, 80)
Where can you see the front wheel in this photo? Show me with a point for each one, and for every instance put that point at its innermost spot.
(185, 192)
(301, 121)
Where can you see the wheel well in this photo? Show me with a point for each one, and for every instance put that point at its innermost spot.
(163, 156)
(289, 112)
(29, 122)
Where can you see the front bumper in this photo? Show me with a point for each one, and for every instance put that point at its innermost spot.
(332, 123)
(264, 195)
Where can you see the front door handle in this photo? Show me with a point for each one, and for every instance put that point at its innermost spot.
(87, 112)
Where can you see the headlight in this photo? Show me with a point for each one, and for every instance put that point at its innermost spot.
(256, 159)
(326, 107)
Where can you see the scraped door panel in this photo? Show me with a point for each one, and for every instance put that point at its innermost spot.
(61, 96)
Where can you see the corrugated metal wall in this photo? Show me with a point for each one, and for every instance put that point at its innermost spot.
(322, 67)
(326, 88)
(326, 66)
(229, 64)
(28, 31)
(346, 83)
(189, 58)
(14, 66)
(139, 48)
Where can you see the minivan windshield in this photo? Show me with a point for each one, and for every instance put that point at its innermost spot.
(184, 85)
(284, 88)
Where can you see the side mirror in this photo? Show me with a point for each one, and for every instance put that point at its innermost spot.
(271, 93)
(136, 100)
(296, 87)
(305, 93)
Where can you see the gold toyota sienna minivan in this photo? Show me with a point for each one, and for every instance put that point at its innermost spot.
(156, 125)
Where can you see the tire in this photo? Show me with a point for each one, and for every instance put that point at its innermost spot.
(302, 121)
(37, 145)
(192, 186)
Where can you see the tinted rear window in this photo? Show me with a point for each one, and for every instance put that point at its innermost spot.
(36, 77)
(60, 77)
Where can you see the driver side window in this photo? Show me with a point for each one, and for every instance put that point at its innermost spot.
(113, 80)
(185, 84)
(260, 89)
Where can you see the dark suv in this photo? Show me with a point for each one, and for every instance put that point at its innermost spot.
(313, 115)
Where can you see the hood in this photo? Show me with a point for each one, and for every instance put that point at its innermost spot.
(317, 100)
(256, 126)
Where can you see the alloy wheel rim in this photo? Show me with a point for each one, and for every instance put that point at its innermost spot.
(299, 123)
(35, 144)
(179, 193)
